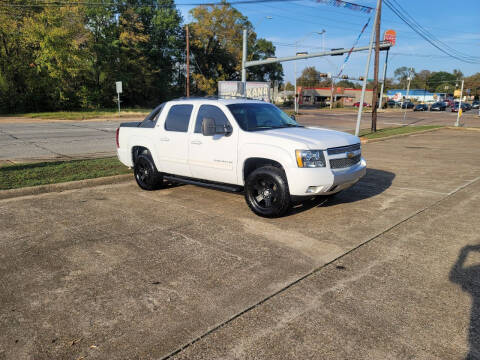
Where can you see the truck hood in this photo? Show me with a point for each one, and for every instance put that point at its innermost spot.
(309, 137)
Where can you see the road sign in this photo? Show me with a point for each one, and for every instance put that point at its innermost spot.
(390, 36)
(118, 85)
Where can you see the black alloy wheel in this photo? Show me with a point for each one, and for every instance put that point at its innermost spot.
(266, 192)
(146, 174)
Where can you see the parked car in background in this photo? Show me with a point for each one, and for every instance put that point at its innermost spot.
(468, 106)
(454, 108)
(408, 105)
(476, 104)
(438, 106)
(448, 102)
(392, 104)
(357, 104)
(421, 107)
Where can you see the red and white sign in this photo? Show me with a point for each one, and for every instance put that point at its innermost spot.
(390, 36)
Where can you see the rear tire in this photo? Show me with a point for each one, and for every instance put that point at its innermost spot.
(146, 174)
(266, 192)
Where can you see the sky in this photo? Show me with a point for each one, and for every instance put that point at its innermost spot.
(284, 23)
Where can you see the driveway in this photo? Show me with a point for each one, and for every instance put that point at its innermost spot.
(376, 272)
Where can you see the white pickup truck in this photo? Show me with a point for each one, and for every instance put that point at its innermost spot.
(235, 144)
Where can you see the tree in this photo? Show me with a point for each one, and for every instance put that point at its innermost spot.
(438, 80)
(347, 84)
(289, 86)
(264, 49)
(473, 83)
(311, 77)
(216, 45)
(402, 74)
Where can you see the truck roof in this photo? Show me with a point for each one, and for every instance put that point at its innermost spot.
(217, 100)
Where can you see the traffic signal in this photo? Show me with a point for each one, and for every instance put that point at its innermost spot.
(340, 54)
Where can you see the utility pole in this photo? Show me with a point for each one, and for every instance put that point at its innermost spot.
(383, 82)
(188, 62)
(331, 93)
(457, 123)
(367, 67)
(408, 90)
(295, 98)
(375, 67)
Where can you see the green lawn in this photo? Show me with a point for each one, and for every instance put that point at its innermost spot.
(396, 131)
(83, 115)
(17, 176)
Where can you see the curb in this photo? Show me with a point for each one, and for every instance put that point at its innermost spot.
(59, 187)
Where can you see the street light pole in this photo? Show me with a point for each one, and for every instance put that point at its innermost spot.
(244, 60)
(457, 123)
(383, 82)
(408, 90)
(367, 67)
(295, 63)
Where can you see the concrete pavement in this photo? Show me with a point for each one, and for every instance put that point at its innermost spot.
(116, 272)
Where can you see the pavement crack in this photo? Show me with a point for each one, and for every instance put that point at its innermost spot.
(315, 271)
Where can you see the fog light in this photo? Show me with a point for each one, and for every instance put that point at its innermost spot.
(311, 189)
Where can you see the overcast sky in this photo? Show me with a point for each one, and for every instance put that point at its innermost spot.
(456, 23)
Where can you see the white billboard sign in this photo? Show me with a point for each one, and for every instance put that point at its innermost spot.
(255, 90)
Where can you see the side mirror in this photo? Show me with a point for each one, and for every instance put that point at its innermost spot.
(293, 117)
(208, 127)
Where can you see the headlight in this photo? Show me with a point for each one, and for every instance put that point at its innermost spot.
(310, 158)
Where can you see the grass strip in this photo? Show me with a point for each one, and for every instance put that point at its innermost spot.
(33, 174)
(396, 131)
(83, 115)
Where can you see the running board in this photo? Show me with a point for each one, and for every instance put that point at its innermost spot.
(219, 186)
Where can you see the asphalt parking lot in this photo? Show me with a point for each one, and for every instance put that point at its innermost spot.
(346, 120)
(387, 269)
(24, 140)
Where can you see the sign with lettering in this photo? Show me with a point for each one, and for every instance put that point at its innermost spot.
(234, 89)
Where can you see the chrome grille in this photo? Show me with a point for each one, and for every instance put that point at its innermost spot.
(344, 163)
(343, 149)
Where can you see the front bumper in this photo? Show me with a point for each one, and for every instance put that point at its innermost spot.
(323, 181)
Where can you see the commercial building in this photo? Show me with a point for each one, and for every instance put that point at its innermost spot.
(417, 95)
(345, 96)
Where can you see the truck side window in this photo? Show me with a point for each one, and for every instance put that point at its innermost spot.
(212, 112)
(151, 120)
(178, 118)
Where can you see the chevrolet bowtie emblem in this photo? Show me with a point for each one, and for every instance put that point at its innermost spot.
(350, 155)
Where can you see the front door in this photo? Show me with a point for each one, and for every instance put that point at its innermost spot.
(213, 157)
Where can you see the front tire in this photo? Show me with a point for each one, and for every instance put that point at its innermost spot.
(266, 192)
(146, 174)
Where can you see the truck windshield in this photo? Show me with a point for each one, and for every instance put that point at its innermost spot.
(256, 117)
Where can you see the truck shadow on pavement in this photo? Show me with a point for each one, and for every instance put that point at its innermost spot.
(468, 277)
(373, 183)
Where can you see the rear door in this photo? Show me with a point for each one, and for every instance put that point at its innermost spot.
(173, 139)
(213, 157)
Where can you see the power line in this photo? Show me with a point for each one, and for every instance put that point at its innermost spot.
(429, 37)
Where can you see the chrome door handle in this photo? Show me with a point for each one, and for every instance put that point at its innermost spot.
(196, 142)
(164, 139)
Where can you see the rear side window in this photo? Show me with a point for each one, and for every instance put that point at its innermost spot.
(151, 120)
(178, 118)
(212, 112)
